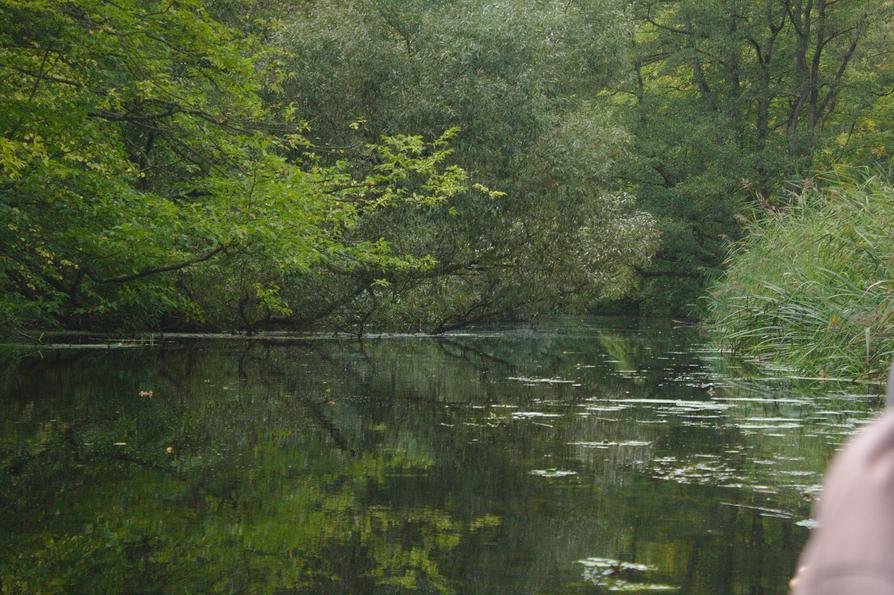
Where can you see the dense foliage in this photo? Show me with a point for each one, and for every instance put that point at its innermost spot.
(734, 101)
(410, 164)
(520, 82)
(813, 288)
(156, 172)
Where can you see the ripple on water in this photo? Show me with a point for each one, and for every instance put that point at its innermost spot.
(789, 426)
(552, 473)
(609, 444)
(528, 380)
(533, 414)
(605, 408)
(615, 575)
(715, 472)
(763, 511)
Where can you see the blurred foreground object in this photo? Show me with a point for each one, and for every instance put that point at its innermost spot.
(852, 550)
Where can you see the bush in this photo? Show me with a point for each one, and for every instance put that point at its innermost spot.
(812, 288)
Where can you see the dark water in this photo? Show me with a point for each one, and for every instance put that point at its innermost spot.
(574, 456)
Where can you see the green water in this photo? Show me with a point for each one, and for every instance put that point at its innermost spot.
(577, 455)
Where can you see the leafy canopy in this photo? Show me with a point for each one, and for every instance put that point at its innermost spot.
(135, 145)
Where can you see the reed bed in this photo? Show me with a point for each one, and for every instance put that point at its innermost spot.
(812, 288)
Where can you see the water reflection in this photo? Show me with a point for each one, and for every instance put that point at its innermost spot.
(586, 455)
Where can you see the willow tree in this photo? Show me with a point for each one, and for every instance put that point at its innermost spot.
(518, 81)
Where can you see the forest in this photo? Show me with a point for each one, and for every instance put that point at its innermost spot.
(421, 165)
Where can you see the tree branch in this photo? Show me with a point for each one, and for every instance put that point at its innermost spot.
(163, 269)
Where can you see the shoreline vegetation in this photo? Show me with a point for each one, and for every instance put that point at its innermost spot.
(812, 287)
(366, 165)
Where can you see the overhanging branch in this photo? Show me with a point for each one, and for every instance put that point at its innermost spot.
(163, 269)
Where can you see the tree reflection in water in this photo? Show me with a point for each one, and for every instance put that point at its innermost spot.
(397, 464)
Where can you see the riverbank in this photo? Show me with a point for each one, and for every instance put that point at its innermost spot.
(812, 288)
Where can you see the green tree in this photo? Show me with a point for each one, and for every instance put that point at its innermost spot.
(733, 99)
(517, 80)
(139, 158)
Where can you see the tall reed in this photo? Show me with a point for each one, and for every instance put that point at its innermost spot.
(812, 288)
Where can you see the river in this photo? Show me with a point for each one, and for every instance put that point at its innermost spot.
(571, 455)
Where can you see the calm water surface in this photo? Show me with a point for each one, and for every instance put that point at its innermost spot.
(576, 455)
